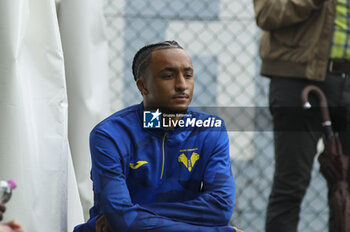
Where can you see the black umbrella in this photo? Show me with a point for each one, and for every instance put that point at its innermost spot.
(333, 166)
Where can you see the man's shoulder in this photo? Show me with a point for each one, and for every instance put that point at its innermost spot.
(201, 114)
(197, 112)
(126, 112)
(128, 116)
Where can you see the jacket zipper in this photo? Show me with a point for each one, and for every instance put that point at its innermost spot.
(163, 153)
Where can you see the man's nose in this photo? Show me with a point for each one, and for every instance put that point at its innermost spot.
(180, 82)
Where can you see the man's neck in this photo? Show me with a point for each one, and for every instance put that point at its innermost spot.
(171, 120)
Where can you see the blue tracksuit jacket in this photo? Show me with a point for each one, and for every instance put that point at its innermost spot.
(160, 179)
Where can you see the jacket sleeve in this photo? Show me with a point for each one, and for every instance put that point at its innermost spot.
(214, 207)
(276, 14)
(113, 197)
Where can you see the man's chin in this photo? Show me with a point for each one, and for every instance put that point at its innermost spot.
(177, 108)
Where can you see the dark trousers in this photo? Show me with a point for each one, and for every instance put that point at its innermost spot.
(296, 133)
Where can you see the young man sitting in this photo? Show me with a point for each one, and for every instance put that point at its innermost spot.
(175, 177)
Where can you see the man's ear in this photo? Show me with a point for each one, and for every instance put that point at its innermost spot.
(141, 85)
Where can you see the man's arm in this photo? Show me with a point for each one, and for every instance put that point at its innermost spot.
(114, 199)
(276, 14)
(215, 205)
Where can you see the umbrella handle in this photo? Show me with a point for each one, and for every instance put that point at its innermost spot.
(326, 121)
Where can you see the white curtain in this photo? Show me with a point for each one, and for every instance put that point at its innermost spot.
(34, 108)
(85, 47)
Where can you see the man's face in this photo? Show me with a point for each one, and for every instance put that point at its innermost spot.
(168, 83)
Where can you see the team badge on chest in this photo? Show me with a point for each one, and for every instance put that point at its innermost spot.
(188, 162)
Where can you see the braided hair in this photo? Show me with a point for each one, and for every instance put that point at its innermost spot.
(142, 57)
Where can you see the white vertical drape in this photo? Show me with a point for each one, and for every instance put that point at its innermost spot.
(85, 47)
(34, 148)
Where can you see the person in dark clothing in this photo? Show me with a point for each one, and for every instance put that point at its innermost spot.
(301, 43)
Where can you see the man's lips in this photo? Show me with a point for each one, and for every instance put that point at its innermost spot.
(181, 96)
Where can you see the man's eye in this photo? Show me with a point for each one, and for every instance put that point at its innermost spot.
(167, 76)
(188, 75)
